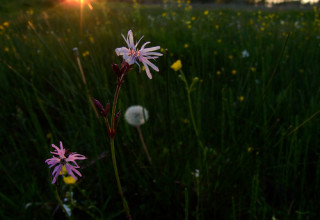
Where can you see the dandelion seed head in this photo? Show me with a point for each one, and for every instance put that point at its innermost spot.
(136, 115)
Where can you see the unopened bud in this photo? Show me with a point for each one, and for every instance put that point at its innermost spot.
(195, 79)
(102, 111)
(116, 69)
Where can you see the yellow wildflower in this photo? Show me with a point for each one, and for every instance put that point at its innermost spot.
(230, 57)
(241, 98)
(91, 39)
(87, 53)
(69, 180)
(250, 149)
(206, 12)
(1, 28)
(186, 45)
(219, 41)
(253, 69)
(176, 65)
(64, 171)
(6, 49)
(217, 26)
(193, 18)
(189, 26)
(49, 135)
(234, 72)
(143, 68)
(6, 24)
(164, 14)
(218, 72)
(215, 52)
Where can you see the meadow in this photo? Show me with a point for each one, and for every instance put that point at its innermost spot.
(237, 138)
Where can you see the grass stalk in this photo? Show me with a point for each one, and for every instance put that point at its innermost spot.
(144, 146)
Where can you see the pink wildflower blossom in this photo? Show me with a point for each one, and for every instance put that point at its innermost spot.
(132, 54)
(61, 159)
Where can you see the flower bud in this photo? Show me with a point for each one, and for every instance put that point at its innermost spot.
(116, 70)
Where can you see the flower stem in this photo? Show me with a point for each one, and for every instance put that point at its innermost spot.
(114, 160)
(144, 146)
(189, 90)
(60, 202)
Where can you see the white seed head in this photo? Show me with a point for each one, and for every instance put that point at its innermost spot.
(136, 115)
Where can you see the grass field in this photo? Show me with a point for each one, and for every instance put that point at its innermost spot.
(251, 153)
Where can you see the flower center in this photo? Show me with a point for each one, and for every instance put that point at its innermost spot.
(135, 53)
(63, 161)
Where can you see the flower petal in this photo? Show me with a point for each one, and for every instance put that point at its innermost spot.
(56, 172)
(146, 61)
(71, 169)
(147, 70)
(121, 51)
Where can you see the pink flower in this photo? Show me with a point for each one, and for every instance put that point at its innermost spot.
(61, 159)
(132, 54)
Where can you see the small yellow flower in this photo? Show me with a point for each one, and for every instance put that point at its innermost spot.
(87, 53)
(69, 180)
(49, 135)
(215, 52)
(30, 11)
(301, 70)
(241, 98)
(6, 49)
(143, 68)
(64, 171)
(239, 13)
(161, 50)
(91, 39)
(189, 26)
(219, 41)
(217, 26)
(250, 149)
(262, 29)
(234, 72)
(186, 121)
(253, 69)
(6, 24)
(176, 65)
(206, 12)
(164, 14)
(193, 18)
(230, 57)
(1, 28)
(218, 72)
(188, 22)
(186, 45)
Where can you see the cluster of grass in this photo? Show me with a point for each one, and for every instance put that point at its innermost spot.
(256, 112)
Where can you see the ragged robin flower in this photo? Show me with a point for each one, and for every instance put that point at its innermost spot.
(132, 54)
(61, 158)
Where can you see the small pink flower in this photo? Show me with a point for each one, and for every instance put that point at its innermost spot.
(61, 159)
(132, 54)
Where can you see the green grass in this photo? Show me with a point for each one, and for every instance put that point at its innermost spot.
(260, 156)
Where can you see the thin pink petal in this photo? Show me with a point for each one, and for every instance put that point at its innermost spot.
(146, 61)
(147, 71)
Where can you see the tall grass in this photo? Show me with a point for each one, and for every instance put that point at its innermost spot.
(262, 150)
